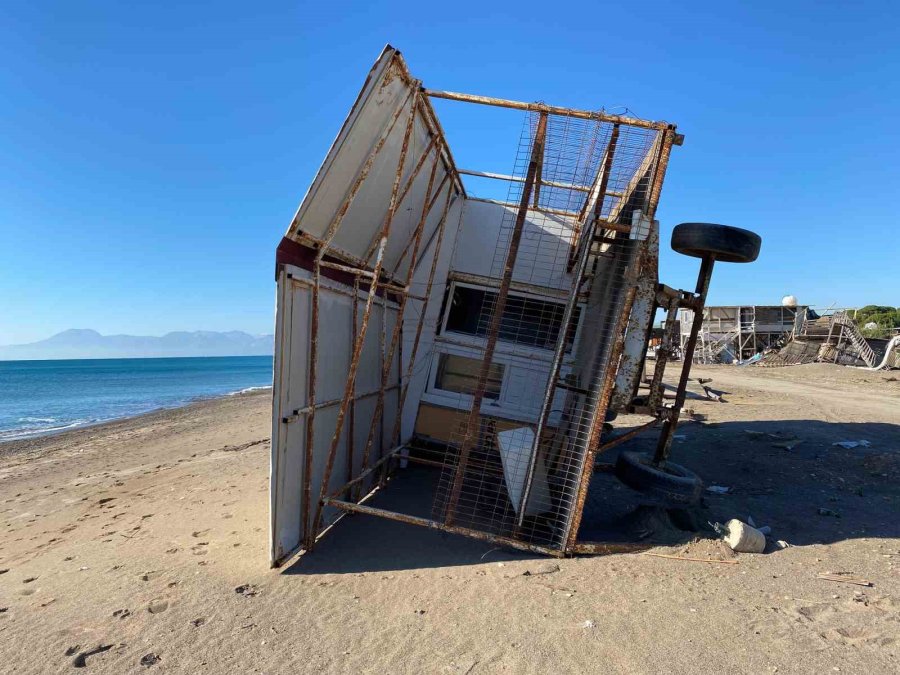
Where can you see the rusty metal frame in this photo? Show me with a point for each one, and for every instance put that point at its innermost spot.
(364, 325)
(598, 197)
(371, 279)
(596, 427)
(473, 423)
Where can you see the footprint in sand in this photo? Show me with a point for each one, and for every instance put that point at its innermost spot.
(196, 623)
(158, 606)
(122, 613)
(200, 548)
(199, 533)
(247, 590)
(150, 659)
(147, 576)
(27, 591)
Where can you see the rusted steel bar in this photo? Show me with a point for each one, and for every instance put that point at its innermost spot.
(415, 172)
(431, 204)
(538, 177)
(386, 285)
(627, 436)
(320, 405)
(434, 126)
(599, 417)
(361, 177)
(665, 149)
(663, 354)
(370, 297)
(598, 198)
(671, 423)
(443, 527)
(547, 109)
(409, 182)
(473, 424)
(564, 325)
(398, 324)
(519, 179)
(365, 473)
(415, 347)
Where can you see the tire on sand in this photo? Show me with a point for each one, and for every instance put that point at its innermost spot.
(670, 482)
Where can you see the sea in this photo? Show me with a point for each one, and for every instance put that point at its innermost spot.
(42, 397)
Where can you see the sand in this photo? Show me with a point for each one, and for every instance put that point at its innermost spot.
(141, 545)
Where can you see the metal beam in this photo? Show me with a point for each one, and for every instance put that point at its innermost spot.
(546, 109)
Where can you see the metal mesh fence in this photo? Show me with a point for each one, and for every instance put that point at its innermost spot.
(532, 393)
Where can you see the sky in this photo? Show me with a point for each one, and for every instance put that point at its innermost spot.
(152, 155)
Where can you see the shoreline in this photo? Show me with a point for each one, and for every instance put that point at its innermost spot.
(35, 442)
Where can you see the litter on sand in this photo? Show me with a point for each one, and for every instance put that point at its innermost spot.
(849, 445)
(844, 578)
(742, 538)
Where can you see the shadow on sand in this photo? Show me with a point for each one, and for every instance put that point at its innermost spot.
(814, 493)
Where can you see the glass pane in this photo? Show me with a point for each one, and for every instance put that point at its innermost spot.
(460, 374)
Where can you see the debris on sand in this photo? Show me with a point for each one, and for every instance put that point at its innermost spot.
(544, 568)
(741, 537)
(843, 578)
(849, 445)
(80, 661)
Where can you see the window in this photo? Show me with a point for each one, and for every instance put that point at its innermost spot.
(460, 374)
(526, 321)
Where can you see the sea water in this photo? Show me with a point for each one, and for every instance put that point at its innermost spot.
(39, 397)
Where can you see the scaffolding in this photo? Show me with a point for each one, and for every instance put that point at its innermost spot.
(737, 332)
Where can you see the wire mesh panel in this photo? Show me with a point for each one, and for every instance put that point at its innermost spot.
(547, 330)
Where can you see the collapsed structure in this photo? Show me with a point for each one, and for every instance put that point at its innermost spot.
(833, 338)
(735, 333)
(786, 335)
(488, 339)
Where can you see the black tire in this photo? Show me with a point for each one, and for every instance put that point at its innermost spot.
(671, 483)
(723, 242)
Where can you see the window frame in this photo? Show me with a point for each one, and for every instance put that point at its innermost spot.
(505, 346)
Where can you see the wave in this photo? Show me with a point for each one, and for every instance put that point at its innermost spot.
(247, 390)
(19, 433)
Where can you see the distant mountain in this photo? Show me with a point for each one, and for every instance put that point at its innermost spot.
(82, 343)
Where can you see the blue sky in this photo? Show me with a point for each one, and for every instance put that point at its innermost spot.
(151, 157)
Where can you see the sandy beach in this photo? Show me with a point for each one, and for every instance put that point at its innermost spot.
(141, 545)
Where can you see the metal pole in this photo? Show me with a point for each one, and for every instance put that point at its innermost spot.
(670, 424)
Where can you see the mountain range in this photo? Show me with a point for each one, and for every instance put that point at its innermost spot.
(84, 343)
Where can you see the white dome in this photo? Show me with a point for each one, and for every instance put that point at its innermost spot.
(789, 301)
